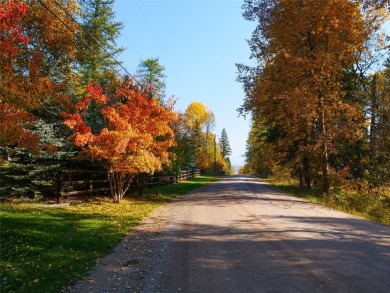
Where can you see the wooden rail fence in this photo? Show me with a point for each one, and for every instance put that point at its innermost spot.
(76, 182)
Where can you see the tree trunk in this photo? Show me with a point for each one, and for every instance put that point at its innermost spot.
(119, 184)
(306, 173)
(373, 132)
(300, 179)
(141, 184)
(60, 179)
(325, 150)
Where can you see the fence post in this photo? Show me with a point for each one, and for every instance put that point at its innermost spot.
(91, 184)
(60, 180)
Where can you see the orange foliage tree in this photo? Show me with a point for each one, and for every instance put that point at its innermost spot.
(303, 48)
(36, 50)
(12, 120)
(135, 136)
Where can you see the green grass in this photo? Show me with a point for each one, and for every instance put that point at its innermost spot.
(46, 249)
(372, 206)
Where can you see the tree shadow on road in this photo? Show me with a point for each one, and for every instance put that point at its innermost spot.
(245, 258)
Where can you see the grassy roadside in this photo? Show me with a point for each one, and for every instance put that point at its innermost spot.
(45, 249)
(375, 207)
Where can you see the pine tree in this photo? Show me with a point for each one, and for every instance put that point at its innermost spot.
(225, 144)
(100, 31)
(151, 74)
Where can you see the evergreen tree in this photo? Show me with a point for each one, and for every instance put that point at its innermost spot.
(225, 144)
(100, 31)
(151, 74)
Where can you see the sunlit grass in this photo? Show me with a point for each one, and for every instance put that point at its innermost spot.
(45, 249)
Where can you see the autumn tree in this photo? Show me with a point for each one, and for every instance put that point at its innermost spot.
(14, 117)
(258, 155)
(181, 153)
(208, 156)
(379, 138)
(302, 48)
(150, 73)
(195, 118)
(135, 137)
(36, 55)
(198, 124)
(204, 156)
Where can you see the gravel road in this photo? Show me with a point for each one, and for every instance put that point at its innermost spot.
(242, 235)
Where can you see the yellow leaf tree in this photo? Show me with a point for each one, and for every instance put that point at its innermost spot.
(198, 122)
(302, 48)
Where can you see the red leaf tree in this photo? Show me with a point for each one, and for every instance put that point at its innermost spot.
(13, 118)
(33, 42)
(134, 138)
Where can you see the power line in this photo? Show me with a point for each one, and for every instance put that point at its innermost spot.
(96, 41)
(82, 40)
(157, 41)
(132, 46)
(77, 36)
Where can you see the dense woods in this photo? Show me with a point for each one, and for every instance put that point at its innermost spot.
(319, 95)
(68, 103)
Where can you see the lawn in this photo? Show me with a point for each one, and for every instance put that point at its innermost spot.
(44, 249)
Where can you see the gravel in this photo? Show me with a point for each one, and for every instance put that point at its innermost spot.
(241, 235)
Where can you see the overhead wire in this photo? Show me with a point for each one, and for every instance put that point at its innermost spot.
(156, 39)
(97, 42)
(132, 46)
(85, 42)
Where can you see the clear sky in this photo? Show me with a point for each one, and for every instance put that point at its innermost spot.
(199, 43)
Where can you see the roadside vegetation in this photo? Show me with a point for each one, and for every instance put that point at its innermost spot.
(68, 106)
(319, 98)
(373, 204)
(66, 103)
(44, 249)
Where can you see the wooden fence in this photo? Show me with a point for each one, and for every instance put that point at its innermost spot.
(76, 182)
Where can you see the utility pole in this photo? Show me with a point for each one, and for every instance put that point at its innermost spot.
(215, 154)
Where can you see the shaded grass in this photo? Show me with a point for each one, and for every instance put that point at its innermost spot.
(46, 249)
(372, 206)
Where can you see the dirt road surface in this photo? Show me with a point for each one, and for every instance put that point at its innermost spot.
(242, 235)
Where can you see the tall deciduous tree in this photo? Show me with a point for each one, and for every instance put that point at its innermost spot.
(13, 117)
(303, 47)
(259, 157)
(198, 122)
(150, 73)
(36, 55)
(135, 137)
(379, 155)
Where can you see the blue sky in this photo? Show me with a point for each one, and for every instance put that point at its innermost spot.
(199, 43)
